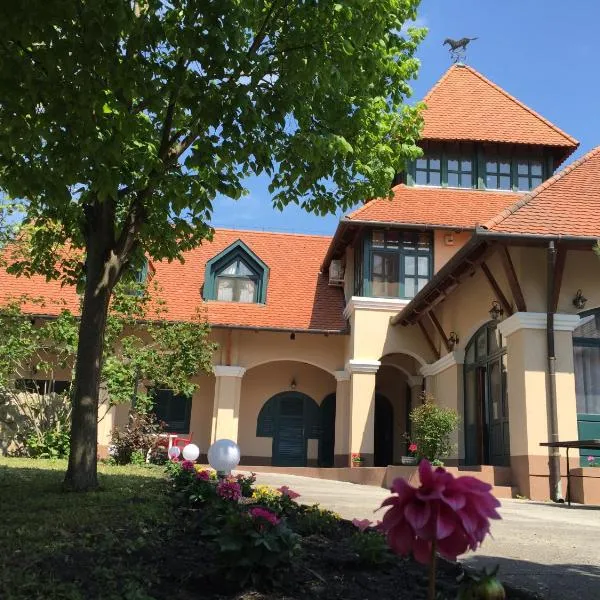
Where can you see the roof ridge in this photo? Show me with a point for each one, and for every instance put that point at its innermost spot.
(287, 233)
(494, 221)
(530, 110)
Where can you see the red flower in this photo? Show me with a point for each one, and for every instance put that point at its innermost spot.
(285, 491)
(264, 515)
(203, 475)
(453, 511)
(187, 465)
(412, 447)
(229, 490)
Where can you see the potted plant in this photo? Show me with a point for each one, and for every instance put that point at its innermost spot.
(357, 460)
(411, 458)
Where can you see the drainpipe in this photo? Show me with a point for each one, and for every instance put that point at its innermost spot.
(554, 453)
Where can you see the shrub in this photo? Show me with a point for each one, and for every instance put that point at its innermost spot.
(49, 444)
(255, 546)
(267, 496)
(370, 546)
(139, 435)
(311, 520)
(432, 427)
(246, 483)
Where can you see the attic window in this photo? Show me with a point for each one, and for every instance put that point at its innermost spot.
(236, 275)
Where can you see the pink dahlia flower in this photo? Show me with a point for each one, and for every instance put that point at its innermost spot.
(229, 490)
(264, 514)
(203, 475)
(187, 465)
(361, 524)
(284, 490)
(454, 512)
(412, 447)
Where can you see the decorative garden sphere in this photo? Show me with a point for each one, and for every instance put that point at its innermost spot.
(224, 456)
(174, 452)
(191, 452)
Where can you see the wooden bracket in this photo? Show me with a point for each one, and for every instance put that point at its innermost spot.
(513, 282)
(440, 329)
(436, 354)
(499, 293)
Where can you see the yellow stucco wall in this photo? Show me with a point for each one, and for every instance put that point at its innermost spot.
(446, 244)
(261, 383)
(202, 412)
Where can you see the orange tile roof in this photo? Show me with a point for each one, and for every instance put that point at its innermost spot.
(443, 207)
(298, 297)
(465, 105)
(566, 204)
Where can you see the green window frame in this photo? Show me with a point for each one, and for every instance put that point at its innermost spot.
(174, 410)
(428, 170)
(395, 263)
(236, 264)
(460, 171)
(529, 173)
(498, 174)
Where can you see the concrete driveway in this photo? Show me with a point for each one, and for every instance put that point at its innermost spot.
(545, 548)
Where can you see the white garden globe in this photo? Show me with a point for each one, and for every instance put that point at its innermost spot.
(191, 452)
(174, 452)
(224, 456)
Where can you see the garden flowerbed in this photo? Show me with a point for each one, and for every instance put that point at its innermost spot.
(140, 538)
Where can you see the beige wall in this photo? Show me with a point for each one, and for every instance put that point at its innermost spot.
(582, 271)
(202, 412)
(261, 383)
(446, 244)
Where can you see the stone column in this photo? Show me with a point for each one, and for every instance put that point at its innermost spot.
(362, 408)
(528, 412)
(415, 383)
(226, 407)
(341, 453)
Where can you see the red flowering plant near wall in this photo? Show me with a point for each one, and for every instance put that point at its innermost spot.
(445, 514)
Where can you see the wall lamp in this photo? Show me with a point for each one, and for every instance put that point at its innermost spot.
(453, 339)
(496, 311)
(579, 300)
(293, 384)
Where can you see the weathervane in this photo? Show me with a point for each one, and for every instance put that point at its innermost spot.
(458, 48)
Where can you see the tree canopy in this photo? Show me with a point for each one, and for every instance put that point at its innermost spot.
(121, 120)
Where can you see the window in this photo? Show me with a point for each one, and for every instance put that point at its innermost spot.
(236, 275)
(397, 263)
(236, 283)
(460, 171)
(529, 174)
(174, 410)
(497, 174)
(42, 386)
(428, 170)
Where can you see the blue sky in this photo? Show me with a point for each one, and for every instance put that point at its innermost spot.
(544, 52)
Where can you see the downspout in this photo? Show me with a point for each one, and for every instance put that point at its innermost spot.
(554, 453)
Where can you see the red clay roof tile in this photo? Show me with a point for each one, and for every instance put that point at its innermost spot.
(566, 204)
(444, 207)
(465, 105)
(298, 296)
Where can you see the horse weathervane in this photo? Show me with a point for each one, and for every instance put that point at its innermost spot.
(458, 48)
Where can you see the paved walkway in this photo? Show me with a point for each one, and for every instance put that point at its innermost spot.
(545, 548)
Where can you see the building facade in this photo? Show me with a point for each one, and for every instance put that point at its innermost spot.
(325, 344)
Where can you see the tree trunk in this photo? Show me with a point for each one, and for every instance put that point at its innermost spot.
(101, 274)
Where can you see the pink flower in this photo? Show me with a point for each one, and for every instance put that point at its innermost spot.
(412, 447)
(591, 459)
(361, 524)
(453, 511)
(187, 465)
(285, 491)
(265, 515)
(203, 475)
(229, 490)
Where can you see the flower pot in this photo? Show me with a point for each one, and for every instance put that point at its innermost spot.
(409, 460)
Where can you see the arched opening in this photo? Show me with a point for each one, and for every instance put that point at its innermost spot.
(487, 439)
(291, 419)
(586, 353)
(384, 431)
(327, 439)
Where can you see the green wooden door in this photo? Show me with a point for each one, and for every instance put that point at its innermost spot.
(289, 441)
(327, 439)
(588, 428)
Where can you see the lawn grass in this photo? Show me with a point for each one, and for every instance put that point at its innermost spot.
(56, 545)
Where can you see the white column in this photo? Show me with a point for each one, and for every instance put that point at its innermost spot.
(226, 407)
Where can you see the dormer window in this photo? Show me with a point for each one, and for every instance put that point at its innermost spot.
(428, 170)
(529, 174)
(497, 174)
(236, 283)
(236, 275)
